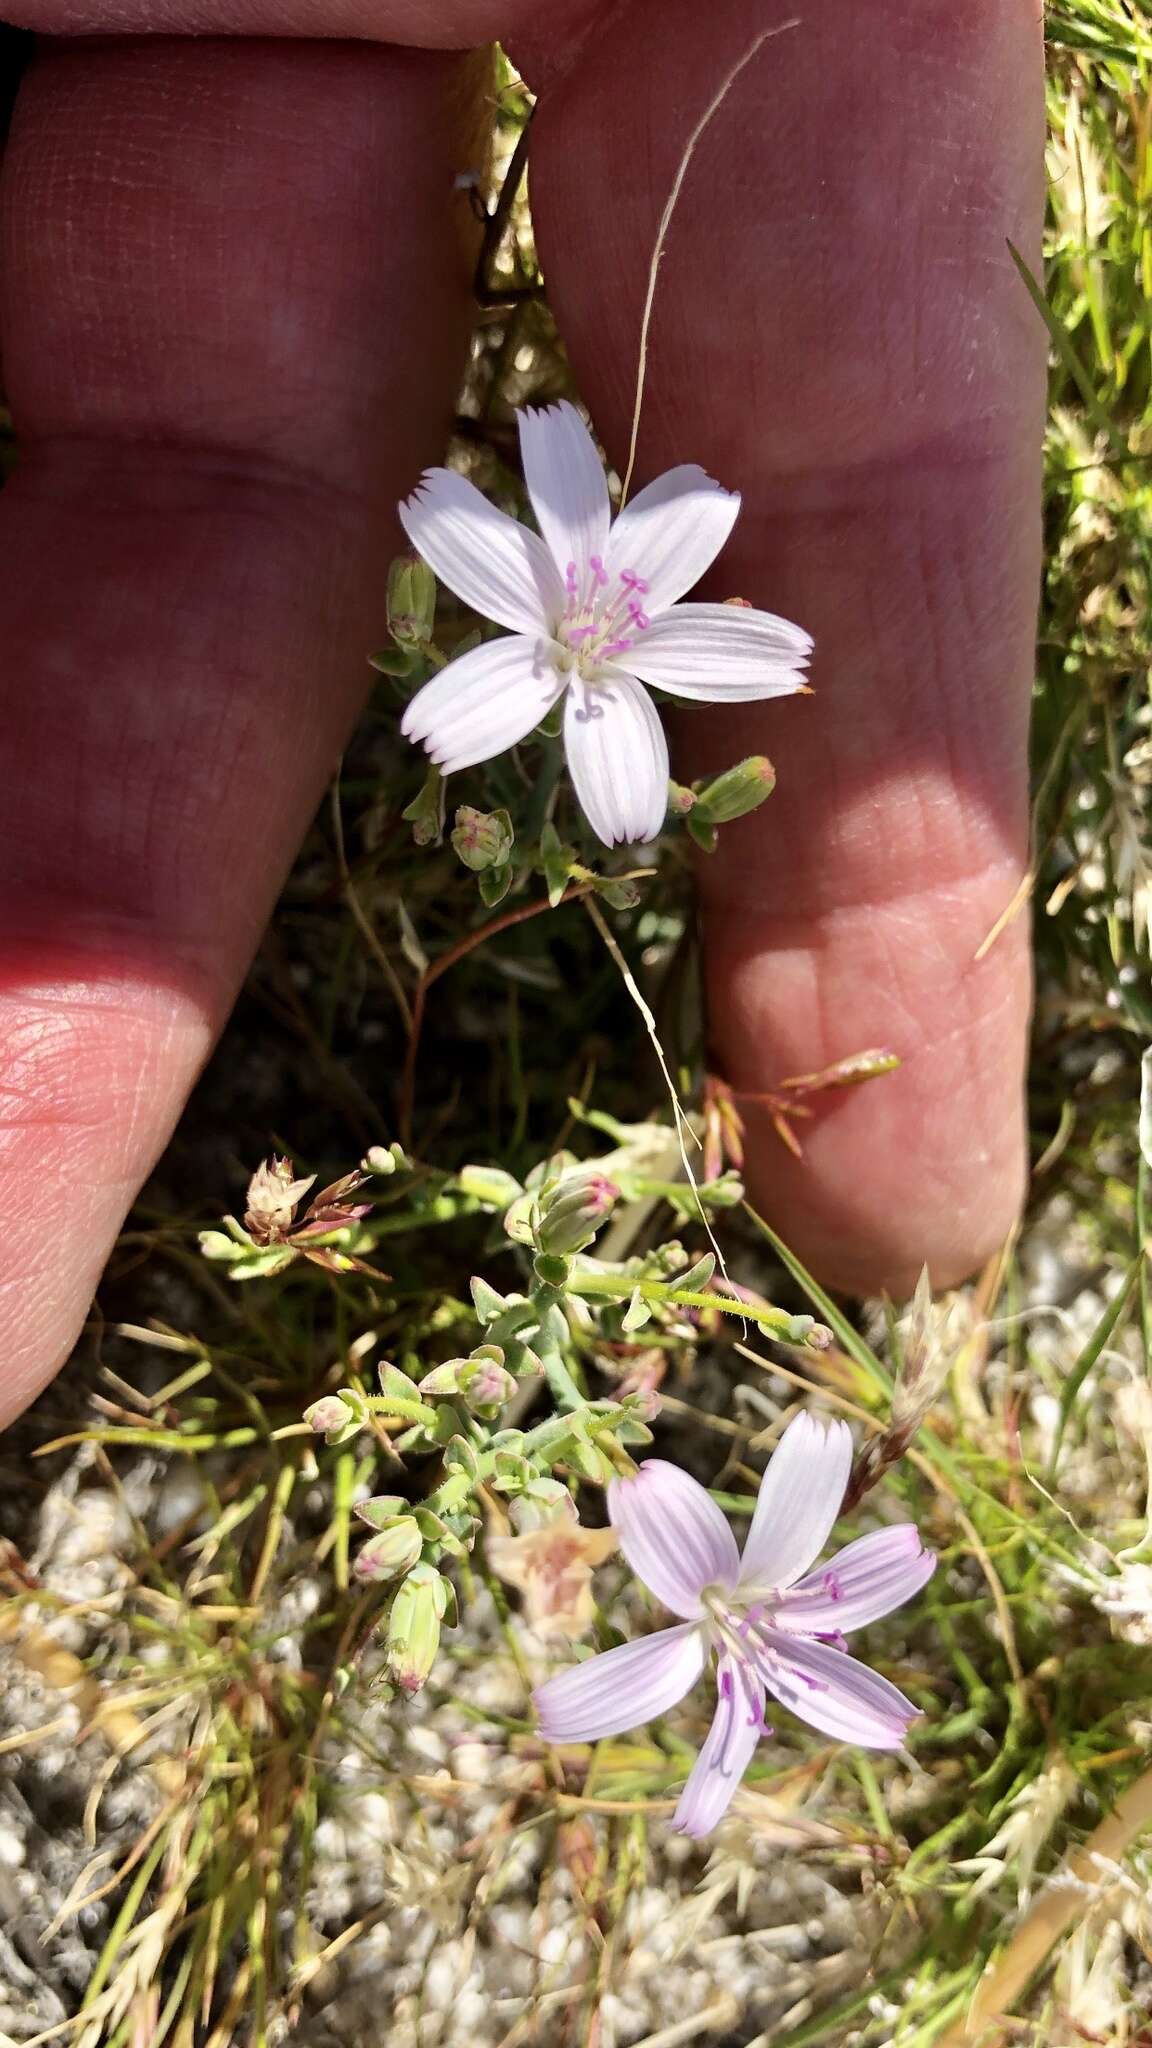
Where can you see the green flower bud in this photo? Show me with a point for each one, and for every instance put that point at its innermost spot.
(395, 1549)
(382, 1159)
(570, 1213)
(681, 800)
(739, 790)
(336, 1416)
(483, 839)
(485, 1384)
(414, 1619)
(411, 601)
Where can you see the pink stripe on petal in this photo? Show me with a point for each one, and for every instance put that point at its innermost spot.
(621, 1688)
(833, 1692)
(729, 1746)
(860, 1583)
(799, 1500)
(673, 1536)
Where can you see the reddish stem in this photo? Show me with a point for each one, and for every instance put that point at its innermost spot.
(440, 966)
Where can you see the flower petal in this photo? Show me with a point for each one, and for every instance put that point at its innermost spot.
(621, 1688)
(833, 1692)
(721, 654)
(800, 1496)
(737, 1726)
(565, 479)
(866, 1579)
(670, 532)
(482, 703)
(673, 1535)
(617, 758)
(497, 566)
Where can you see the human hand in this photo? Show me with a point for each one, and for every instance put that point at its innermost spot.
(233, 310)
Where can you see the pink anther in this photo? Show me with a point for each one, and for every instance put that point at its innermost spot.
(617, 646)
(633, 582)
(599, 572)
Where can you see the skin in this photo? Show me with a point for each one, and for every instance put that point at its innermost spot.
(233, 308)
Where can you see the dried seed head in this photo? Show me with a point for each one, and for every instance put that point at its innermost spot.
(273, 1198)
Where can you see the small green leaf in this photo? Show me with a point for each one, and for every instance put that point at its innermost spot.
(487, 1303)
(425, 813)
(702, 832)
(637, 1313)
(494, 885)
(556, 861)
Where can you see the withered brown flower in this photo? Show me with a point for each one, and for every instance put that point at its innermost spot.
(551, 1565)
(274, 1195)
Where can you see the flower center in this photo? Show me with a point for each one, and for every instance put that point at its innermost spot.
(738, 1623)
(602, 618)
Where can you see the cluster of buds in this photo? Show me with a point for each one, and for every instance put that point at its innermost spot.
(405, 1540)
(452, 1408)
(481, 1382)
(707, 805)
(575, 1308)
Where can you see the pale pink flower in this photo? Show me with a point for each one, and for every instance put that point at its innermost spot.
(775, 1625)
(591, 605)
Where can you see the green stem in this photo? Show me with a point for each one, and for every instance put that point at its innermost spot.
(567, 1394)
(406, 1411)
(613, 1288)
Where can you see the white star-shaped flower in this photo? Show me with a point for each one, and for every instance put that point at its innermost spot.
(591, 607)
